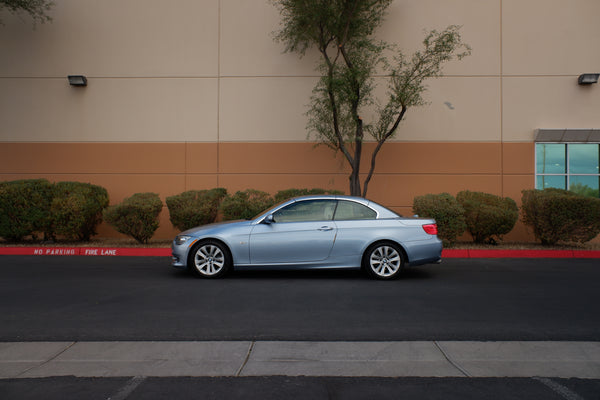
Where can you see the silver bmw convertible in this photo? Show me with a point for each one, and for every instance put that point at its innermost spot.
(326, 231)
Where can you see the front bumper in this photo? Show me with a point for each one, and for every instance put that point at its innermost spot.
(179, 256)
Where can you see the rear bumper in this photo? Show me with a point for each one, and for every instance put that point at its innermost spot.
(426, 252)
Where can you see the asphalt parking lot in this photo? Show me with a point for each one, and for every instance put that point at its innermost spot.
(143, 298)
(474, 318)
(309, 388)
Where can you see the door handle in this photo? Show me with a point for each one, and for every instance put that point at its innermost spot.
(325, 228)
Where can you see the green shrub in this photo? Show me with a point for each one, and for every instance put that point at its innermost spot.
(195, 207)
(76, 209)
(487, 215)
(558, 215)
(136, 216)
(246, 204)
(24, 208)
(283, 195)
(447, 212)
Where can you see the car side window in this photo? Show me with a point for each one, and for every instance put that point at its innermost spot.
(350, 210)
(308, 210)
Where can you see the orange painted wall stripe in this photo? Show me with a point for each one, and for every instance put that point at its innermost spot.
(404, 170)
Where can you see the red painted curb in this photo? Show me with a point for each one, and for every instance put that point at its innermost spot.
(86, 251)
(166, 252)
(478, 253)
(455, 253)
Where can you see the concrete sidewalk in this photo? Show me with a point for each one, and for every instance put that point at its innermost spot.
(246, 358)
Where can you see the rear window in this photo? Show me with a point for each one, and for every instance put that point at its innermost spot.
(350, 210)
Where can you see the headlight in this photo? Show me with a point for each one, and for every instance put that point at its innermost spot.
(181, 239)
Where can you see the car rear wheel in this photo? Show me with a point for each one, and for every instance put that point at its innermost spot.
(210, 259)
(383, 260)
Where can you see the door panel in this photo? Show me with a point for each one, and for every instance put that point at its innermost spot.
(291, 242)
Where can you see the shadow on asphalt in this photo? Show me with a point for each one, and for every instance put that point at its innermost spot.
(323, 274)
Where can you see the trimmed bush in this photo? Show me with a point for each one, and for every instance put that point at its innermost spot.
(487, 215)
(558, 215)
(195, 207)
(136, 216)
(24, 208)
(76, 209)
(447, 212)
(246, 204)
(287, 194)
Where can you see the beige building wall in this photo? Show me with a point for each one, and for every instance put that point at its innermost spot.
(193, 94)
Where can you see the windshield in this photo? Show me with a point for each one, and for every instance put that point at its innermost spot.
(267, 211)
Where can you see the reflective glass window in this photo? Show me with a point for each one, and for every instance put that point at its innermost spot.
(307, 210)
(349, 210)
(583, 158)
(551, 158)
(586, 185)
(572, 166)
(551, 181)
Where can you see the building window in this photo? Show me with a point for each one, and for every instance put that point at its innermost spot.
(571, 166)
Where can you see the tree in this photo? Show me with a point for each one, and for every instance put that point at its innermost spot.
(350, 58)
(35, 8)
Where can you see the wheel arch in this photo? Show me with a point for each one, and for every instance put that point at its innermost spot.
(200, 241)
(379, 241)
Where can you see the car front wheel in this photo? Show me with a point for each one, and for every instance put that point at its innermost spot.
(383, 260)
(210, 259)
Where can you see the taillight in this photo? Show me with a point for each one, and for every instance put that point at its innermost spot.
(430, 229)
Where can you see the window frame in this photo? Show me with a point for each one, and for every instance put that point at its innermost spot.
(567, 174)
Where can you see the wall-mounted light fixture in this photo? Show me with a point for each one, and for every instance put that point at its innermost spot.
(587, 79)
(77, 80)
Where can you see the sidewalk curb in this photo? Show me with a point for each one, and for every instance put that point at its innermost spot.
(301, 358)
(166, 252)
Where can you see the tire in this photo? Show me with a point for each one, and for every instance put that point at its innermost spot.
(210, 259)
(384, 260)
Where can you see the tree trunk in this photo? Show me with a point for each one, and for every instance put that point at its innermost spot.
(355, 182)
(355, 176)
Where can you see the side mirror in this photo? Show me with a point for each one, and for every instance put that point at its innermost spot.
(268, 219)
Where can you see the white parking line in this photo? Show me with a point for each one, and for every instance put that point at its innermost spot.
(560, 389)
(129, 387)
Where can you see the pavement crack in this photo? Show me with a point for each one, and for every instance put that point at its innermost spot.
(52, 358)
(239, 372)
(451, 361)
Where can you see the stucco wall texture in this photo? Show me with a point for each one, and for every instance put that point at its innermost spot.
(195, 94)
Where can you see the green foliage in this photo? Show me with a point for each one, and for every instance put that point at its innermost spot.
(447, 212)
(558, 215)
(305, 23)
(76, 209)
(246, 204)
(136, 216)
(36, 9)
(350, 58)
(195, 207)
(487, 215)
(24, 208)
(584, 190)
(286, 194)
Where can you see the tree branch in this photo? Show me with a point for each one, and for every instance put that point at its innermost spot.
(380, 143)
